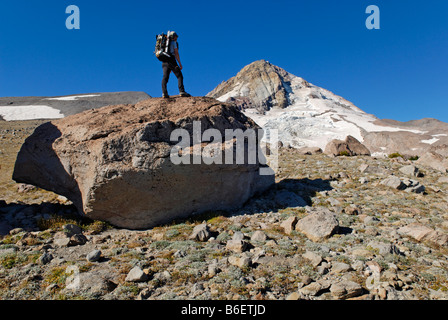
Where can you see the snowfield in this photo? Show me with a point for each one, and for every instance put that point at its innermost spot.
(17, 113)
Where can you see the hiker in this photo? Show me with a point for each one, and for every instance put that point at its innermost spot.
(171, 65)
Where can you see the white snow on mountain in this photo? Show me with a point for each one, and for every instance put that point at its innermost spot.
(29, 113)
(72, 98)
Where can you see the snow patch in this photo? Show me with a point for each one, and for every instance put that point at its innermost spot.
(440, 135)
(72, 98)
(17, 113)
(430, 141)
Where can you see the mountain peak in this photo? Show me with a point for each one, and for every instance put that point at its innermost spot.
(259, 85)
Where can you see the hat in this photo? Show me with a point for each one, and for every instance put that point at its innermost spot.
(173, 34)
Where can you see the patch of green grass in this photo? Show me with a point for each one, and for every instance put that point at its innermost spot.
(12, 260)
(395, 155)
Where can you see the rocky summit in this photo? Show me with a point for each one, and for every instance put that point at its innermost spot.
(115, 163)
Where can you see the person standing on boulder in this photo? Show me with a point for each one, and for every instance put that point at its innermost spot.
(172, 65)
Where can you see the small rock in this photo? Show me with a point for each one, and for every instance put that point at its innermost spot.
(289, 224)
(136, 275)
(306, 280)
(411, 170)
(213, 270)
(61, 242)
(374, 267)
(15, 231)
(293, 296)
(420, 232)
(363, 180)
(78, 240)
(45, 258)
(238, 236)
(259, 236)
(240, 262)
(162, 276)
(340, 267)
(394, 182)
(384, 248)
(352, 210)
(71, 229)
(313, 257)
(319, 225)
(346, 289)
(144, 294)
(200, 233)
(94, 256)
(312, 289)
(237, 245)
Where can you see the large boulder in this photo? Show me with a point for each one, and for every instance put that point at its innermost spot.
(350, 147)
(434, 160)
(121, 163)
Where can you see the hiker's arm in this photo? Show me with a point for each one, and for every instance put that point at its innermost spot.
(176, 54)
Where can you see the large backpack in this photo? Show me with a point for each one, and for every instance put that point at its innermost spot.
(162, 45)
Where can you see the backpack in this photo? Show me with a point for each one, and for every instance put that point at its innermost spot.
(162, 45)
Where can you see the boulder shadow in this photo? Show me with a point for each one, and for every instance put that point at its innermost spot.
(38, 164)
(287, 193)
(36, 217)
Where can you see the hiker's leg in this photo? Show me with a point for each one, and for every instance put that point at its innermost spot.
(166, 76)
(180, 79)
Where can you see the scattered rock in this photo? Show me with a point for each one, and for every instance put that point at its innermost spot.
(346, 289)
(45, 258)
(309, 150)
(403, 184)
(200, 232)
(92, 283)
(340, 267)
(318, 225)
(94, 256)
(394, 182)
(293, 296)
(61, 242)
(136, 275)
(289, 224)
(384, 248)
(411, 170)
(71, 229)
(434, 160)
(350, 147)
(77, 240)
(259, 236)
(240, 262)
(312, 289)
(421, 232)
(313, 257)
(237, 245)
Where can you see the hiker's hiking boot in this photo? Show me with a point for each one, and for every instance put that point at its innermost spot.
(165, 96)
(184, 94)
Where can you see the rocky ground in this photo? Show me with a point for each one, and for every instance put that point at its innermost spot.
(331, 228)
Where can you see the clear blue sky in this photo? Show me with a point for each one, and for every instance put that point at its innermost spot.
(398, 72)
